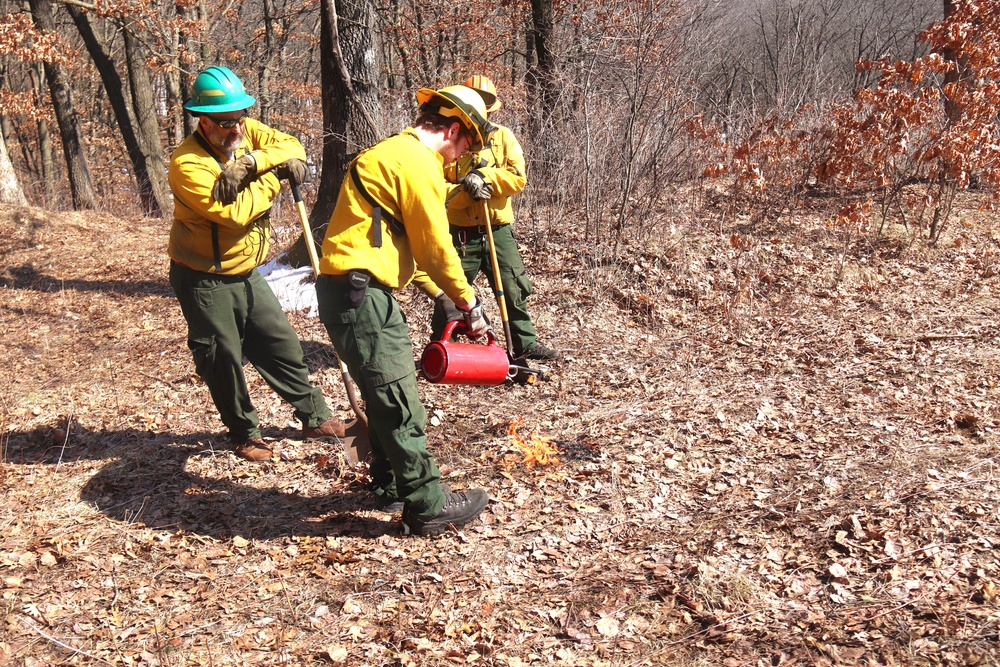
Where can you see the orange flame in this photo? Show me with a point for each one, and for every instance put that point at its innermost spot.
(537, 450)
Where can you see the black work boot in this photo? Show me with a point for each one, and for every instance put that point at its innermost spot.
(459, 509)
(389, 505)
(539, 351)
(393, 505)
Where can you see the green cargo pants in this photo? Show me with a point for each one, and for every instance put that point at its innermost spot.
(373, 340)
(232, 316)
(474, 249)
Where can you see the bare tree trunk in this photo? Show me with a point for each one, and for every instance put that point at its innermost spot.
(174, 83)
(46, 161)
(270, 49)
(45, 166)
(405, 61)
(334, 119)
(155, 194)
(10, 189)
(143, 167)
(953, 111)
(350, 100)
(359, 47)
(424, 57)
(349, 69)
(541, 77)
(81, 184)
(188, 45)
(960, 71)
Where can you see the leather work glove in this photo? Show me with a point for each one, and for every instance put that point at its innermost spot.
(234, 179)
(445, 311)
(476, 323)
(476, 185)
(293, 170)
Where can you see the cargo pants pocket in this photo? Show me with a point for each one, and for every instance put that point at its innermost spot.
(203, 350)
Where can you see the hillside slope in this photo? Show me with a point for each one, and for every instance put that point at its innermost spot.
(773, 448)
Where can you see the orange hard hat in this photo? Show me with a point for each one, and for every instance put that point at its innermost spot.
(485, 87)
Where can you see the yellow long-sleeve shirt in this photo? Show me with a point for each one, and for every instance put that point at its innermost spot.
(504, 170)
(243, 229)
(406, 179)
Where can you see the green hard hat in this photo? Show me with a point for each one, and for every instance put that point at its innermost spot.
(218, 90)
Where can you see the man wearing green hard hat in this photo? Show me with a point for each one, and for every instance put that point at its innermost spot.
(224, 177)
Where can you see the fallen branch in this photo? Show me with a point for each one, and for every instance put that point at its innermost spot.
(69, 425)
(35, 628)
(926, 338)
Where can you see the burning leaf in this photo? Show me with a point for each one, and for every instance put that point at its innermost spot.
(537, 450)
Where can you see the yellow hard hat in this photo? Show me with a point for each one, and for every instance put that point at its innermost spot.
(485, 87)
(463, 104)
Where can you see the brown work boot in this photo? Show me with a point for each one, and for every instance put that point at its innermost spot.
(252, 449)
(331, 428)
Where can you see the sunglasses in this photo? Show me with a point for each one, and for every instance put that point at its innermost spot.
(228, 123)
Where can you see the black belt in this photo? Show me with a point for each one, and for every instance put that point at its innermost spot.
(209, 274)
(474, 229)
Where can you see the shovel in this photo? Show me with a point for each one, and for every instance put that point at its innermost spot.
(356, 445)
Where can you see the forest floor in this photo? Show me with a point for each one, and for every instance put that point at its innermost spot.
(764, 447)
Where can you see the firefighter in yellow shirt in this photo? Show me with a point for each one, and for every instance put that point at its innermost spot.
(495, 174)
(224, 177)
(389, 218)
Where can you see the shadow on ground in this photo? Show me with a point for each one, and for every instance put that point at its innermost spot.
(26, 277)
(148, 479)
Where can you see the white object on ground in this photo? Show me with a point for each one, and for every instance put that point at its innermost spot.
(295, 288)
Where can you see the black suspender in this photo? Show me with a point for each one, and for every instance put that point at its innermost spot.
(216, 251)
(395, 226)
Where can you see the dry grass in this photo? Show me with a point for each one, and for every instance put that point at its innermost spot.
(774, 454)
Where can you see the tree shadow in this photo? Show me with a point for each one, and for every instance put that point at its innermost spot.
(26, 277)
(29, 224)
(148, 480)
